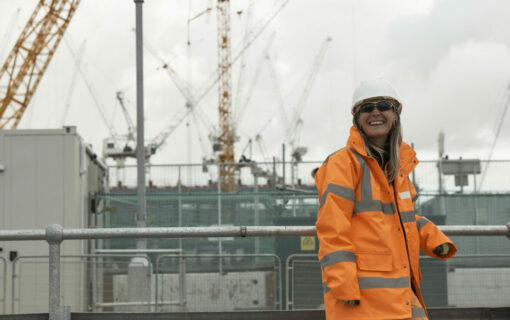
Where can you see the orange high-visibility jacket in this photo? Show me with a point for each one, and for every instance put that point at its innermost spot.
(364, 253)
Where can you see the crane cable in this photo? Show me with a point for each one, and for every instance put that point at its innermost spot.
(506, 102)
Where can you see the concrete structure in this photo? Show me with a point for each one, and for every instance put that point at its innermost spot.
(46, 177)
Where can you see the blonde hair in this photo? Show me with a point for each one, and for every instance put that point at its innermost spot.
(392, 146)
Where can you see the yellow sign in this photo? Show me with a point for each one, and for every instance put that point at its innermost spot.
(307, 243)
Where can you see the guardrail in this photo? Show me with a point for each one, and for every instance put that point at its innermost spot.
(55, 234)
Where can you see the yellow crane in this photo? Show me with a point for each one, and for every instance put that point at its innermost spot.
(226, 134)
(29, 58)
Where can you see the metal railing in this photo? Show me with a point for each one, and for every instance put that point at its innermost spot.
(55, 234)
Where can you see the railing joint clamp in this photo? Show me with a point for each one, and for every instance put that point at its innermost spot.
(244, 231)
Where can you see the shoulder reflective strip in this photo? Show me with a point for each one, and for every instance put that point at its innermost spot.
(367, 203)
(332, 154)
(340, 191)
(379, 283)
(407, 216)
(422, 222)
(418, 312)
(325, 288)
(337, 257)
(366, 184)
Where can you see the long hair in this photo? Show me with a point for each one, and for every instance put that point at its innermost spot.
(392, 146)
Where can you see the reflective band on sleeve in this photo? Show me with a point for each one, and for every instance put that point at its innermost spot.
(337, 257)
(418, 312)
(415, 198)
(379, 283)
(325, 288)
(422, 222)
(340, 191)
(367, 203)
(407, 216)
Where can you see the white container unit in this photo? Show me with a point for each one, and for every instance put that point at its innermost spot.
(46, 177)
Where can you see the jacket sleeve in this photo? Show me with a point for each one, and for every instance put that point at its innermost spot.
(335, 183)
(430, 235)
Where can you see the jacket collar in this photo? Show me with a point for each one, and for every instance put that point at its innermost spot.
(408, 160)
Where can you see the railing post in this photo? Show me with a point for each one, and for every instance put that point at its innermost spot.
(54, 234)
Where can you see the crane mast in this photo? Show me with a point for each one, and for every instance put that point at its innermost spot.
(28, 60)
(226, 134)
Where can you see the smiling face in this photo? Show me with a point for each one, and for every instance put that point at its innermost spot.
(377, 124)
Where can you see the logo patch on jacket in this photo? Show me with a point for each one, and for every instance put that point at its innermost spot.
(405, 195)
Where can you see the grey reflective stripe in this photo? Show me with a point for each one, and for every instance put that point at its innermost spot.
(367, 203)
(415, 198)
(407, 216)
(325, 288)
(422, 222)
(337, 257)
(340, 191)
(379, 283)
(418, 312)
(374, 205)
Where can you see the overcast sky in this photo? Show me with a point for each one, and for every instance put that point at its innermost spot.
(449, 61)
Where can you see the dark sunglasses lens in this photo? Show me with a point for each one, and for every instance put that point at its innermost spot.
(367, 107)
(384, 105)
(370, 106)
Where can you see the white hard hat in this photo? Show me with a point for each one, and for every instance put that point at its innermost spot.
(375, 87)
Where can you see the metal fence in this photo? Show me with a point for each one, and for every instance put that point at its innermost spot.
(54, 235)
(429, 176)
(465, 281)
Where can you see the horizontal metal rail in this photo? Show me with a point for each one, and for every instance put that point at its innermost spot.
(227, 231)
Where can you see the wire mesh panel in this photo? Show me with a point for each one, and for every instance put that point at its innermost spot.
(467, 281)
(303, 283)
(121, 283)
(88, 283)
(3, 284)
(31, 283)
(219, 283)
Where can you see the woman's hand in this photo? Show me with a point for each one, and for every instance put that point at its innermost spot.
(351, 302)
(442, 250)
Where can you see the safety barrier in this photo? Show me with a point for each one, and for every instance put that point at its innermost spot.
(55, 234)
(465, 281)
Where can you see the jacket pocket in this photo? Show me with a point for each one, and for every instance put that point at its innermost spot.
(374, 261)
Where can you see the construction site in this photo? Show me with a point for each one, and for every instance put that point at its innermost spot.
(235, 106)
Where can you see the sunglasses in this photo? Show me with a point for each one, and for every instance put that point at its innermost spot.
(383, 105)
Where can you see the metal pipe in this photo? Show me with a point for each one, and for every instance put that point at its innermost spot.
(140, 149)
(135, 251)
(54, 238)
(223, 231)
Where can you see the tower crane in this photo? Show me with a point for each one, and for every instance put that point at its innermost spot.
(28, 60)
(226, 132)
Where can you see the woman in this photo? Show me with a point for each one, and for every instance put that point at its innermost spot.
(368, 233)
